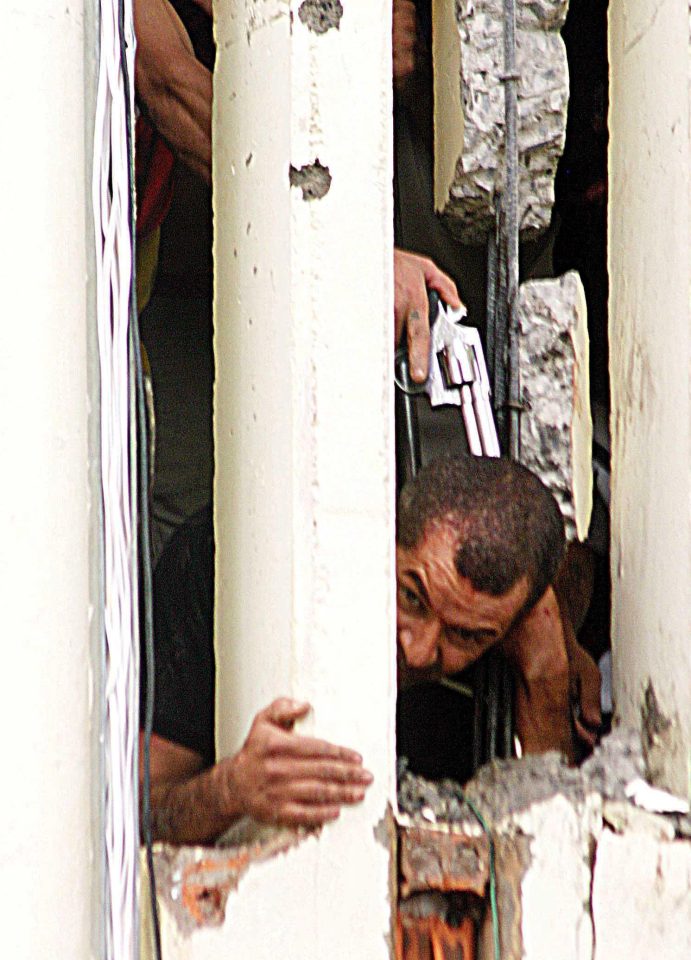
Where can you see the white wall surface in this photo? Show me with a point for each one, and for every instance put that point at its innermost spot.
(46, 847)
(650, 313)
(304, 485)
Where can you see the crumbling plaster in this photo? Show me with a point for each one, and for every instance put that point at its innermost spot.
(582, 873)
(47, 851)
(469, 157)
(650, 350)
(556, 427)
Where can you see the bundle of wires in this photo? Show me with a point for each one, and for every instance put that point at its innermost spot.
(123, 467)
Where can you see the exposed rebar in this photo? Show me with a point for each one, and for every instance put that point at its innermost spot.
(510, 224)
(491, 303)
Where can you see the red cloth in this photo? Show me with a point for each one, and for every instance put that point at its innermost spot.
(153, 167)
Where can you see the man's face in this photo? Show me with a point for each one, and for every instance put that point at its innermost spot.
(443, 623)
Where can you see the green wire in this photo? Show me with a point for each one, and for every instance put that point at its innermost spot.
(462, 688)
(492, 878)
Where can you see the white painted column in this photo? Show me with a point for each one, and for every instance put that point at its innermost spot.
(47, 847)
(304, 485)
(650, 331)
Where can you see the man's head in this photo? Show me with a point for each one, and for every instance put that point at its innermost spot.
(478, 542)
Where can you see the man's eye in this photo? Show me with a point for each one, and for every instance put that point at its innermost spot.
(459, 637)
(410, 598)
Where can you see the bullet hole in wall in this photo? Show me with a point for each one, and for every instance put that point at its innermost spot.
(321, 15)
(314, 179)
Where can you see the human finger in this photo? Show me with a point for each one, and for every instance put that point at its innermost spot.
(587, 682)
(417, 328)
(295, 814)
(436, 279)
(311, 747)
(591, 714)
(328, 771)
(585, 733)
(317, 793)
(284, 712)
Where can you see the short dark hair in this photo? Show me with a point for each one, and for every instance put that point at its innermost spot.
(509, 523)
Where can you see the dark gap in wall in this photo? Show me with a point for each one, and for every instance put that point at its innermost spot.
(435, 725)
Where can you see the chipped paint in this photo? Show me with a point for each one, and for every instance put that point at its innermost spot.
(196, 882)
(650, 355)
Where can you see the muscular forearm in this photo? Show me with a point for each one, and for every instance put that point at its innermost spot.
(174, 88)
(196, 810)
(543, 720)
(537, 649)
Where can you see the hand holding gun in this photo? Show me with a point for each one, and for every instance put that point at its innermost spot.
(457, 375)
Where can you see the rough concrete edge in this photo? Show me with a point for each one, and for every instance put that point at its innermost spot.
(215, 872)
(575, 492)
(512, 848)
(527, 23)
(588, 807)
(386, 834)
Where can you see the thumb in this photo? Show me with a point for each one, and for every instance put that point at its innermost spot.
(284, 712)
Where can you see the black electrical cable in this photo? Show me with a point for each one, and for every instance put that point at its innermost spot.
(143, 490)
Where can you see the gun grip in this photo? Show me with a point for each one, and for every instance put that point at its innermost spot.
(433, 302)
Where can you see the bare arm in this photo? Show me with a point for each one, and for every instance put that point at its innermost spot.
(174, 88)
(276, 777)
(553, 672)
(584, 681)
(187, 805)
(536, 647)
(404, 33)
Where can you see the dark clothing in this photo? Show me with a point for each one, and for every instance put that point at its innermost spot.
(183, 595)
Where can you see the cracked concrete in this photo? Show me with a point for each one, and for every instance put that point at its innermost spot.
(568, 844)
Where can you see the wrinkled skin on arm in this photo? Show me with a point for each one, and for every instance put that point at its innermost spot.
(277, 777)
(173, 87)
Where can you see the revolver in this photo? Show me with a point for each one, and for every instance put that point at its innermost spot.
(457, 375)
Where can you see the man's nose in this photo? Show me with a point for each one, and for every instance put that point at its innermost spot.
(420, 645)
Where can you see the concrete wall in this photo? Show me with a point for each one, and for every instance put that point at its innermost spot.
(47, 846)
(304, 484)
(650, 313)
